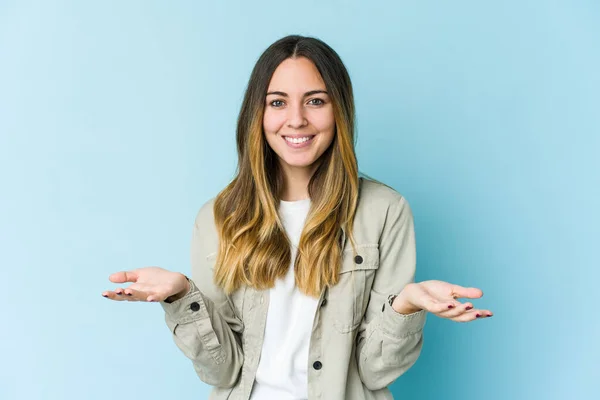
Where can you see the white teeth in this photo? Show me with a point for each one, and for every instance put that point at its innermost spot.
(298, 140)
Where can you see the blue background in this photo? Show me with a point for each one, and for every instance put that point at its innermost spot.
(117, 122)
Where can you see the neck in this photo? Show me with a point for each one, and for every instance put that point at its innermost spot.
(296, 182)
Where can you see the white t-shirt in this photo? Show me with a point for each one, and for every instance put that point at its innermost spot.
(282, 369)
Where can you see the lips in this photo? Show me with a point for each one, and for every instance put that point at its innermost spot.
(298, 136)
(299, 144)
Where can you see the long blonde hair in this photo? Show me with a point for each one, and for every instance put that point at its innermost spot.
(254, 249)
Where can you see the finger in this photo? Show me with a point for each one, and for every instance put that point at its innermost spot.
(470, 293)
(486, 313)
(456, 310)
(138, 292)
(126, 294)
(142, 291)
(436, 307)
(123, 276)
(473, 315)
(113, 296)
(135, 295)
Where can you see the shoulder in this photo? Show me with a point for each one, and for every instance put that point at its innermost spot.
(205, 214)
(380, 207)
(205, 228)
(378, 196)
(377, 203)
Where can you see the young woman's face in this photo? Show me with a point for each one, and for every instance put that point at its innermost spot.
(298, 122)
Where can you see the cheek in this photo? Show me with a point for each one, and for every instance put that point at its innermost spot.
(325, 124)
(272, 122)
(323, 118)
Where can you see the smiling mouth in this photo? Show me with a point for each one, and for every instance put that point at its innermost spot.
(298, 139)
(299, 142)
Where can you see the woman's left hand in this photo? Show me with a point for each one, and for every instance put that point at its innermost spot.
(439, 298)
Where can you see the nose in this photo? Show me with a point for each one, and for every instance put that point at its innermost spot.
(296, 118)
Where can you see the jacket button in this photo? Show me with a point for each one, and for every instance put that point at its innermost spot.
(323, 302)
(194, 306)
(317, 365)
(358, 259)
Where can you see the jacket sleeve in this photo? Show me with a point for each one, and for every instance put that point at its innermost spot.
(389, 343)
(204, 323)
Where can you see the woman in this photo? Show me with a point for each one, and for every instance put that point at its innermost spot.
(302, 272)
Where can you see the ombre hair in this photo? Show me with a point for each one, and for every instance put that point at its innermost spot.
(254, 249)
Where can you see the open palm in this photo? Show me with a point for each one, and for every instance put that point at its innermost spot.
(439, 298)
(148, 284)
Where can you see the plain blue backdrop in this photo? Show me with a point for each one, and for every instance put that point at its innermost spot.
(117, 122)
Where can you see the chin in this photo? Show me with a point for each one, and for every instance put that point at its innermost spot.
(299, 163)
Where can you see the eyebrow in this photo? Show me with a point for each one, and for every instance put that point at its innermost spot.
(310, 93)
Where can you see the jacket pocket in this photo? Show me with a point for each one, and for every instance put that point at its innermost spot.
(351, 294)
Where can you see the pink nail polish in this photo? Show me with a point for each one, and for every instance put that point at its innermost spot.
(450, 306)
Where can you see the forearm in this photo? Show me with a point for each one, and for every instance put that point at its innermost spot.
(205, 337)
(388, 346)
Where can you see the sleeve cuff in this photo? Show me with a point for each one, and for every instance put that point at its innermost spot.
(189, 308)
(399, 325)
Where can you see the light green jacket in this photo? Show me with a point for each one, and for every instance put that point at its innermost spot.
(359, 344)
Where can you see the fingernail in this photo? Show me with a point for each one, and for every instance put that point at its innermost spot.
(119, 294)
(477, 315)
(104, 295)
(128, 294)
(450, 306)
(469, 308)
(490, 315)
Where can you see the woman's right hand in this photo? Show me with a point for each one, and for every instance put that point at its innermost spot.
(149, 284)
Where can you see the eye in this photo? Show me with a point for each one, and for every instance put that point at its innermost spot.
(316, 102)
(276, 103)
